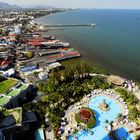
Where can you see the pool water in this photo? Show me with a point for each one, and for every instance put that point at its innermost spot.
(39, 134)
(101, 121)
(122, 132)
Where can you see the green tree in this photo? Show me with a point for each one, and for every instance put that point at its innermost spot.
(29, 54)
(137, 137)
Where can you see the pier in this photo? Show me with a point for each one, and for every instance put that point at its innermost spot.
(69, 25)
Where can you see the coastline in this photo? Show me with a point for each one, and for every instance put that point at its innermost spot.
(99, 67)
(57, 82)
(66, 10)
(95, 58)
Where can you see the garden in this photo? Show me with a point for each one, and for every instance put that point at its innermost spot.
(6, 84)
(86, 116)
(62, 90)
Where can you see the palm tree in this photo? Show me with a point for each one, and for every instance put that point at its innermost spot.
(137, 137)
(106, 121)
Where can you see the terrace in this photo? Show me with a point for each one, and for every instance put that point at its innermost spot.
(16, 91)
(16, 113)
(11, 118)
(4, 101)
(11, 88)
(23, 87)
(6, 85)
(13, 93)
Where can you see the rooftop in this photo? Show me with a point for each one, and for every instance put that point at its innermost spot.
(16, 91)
(54, 65)
(4, 100)
(23, 87)
(116, 80)
(6, 85)
(10, 117)
(16, 113)
(10, 88)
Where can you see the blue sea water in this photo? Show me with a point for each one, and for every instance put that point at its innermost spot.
(113, 44)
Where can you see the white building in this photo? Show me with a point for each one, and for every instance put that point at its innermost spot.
(43, 75)
(17, 29)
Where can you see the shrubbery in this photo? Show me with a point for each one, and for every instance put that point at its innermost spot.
(131, 101)
(64, 89)
(29, 54)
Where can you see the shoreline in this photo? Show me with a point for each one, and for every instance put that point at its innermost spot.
(72, 116)
(59, 82)
(66, 10)
(99, 62)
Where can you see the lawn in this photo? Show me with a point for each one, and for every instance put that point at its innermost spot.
(17, 112)
(3, 101)
(13, 93)
(6, 85)
(23, 87)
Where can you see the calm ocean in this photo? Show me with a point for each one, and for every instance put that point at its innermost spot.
(114, 43)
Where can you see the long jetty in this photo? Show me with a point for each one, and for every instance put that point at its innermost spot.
(69, 25)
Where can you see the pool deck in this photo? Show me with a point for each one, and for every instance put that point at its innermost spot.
(70, 114)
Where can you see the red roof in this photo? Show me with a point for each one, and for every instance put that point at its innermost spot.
(35, 41)
(4, 62)
(12, 35)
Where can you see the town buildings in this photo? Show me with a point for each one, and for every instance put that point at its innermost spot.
(26, 57)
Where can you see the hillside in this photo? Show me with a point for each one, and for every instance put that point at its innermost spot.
(8, 6)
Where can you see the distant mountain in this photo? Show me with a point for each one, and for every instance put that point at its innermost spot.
(43, 7)
(4, 5)
(34, 6)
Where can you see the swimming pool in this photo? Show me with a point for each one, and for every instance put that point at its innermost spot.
(122, 133)
(102, 117)
(39, 134)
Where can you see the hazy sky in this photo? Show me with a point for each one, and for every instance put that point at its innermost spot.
(129, 4)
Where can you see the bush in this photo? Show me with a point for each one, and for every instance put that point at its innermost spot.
(121, 91)
(92, 123)
(99, 82)
(29, 54)
(131, 101)
(137, 137)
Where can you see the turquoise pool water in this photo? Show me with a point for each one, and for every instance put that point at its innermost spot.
(39, 134)
(99, 130)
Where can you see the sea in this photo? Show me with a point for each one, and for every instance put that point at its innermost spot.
(113, 44)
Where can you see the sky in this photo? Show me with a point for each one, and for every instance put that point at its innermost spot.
(109, 4)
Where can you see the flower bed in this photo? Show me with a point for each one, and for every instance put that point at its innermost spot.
(86, 116)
